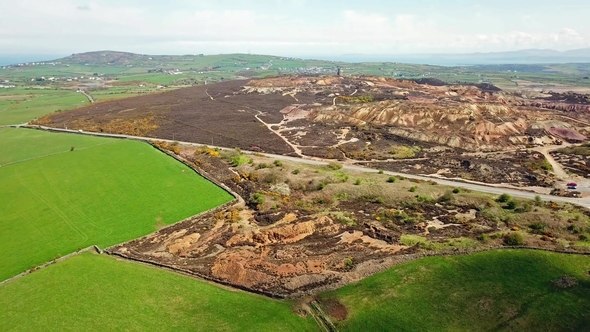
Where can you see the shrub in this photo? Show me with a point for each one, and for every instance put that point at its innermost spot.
(413, 189)
(484, 238)
(456, 191)
(523, 209)
(357, 182)
(342, 196)
(262, 166)
(271, 178)
(239, 160)
(278, 163)
(574, 229)
(424, 199)
(446, 197)
(379, 200)
(72, 149)
(584, 237)
(257, 199)
(344, 218)
(296, 171)
(391, 179)
(537, 226)
(511, 205)
(514, 239)
(380, 171)
(321, 186)
(538, 201)
(504, 198)
(348, 263)
(334, 166)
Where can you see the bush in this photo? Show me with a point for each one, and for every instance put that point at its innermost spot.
(357, 182)
(321, 186)
(271, 178)
(391, 179)
(413, 189)
(262, 166)
(513, 239)
(278, 163)
(380, 171)
(257, 199)
(334, 166)
(456, 191)
(446, 197)
(484, 238)
(504, 198)
(523, 209)
(348, 263)
(297, 171)
(379, 200)
(537, 226)
(538, 201)
(239, 160)
(424, 199)
(511, 205)
(342, 196)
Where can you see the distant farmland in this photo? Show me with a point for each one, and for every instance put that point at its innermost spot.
(55, 201)
(100, 293)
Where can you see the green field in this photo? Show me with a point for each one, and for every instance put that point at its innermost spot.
(106, 191)
(92, 292)
(21, 105)
(498, 290)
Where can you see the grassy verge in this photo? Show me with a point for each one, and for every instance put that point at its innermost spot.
(91, 292)
(105, 191)
(498, 290)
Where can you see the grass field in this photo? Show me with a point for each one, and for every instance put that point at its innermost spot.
(91, 292)
(106, 191)
(498, 290)
(19, 105)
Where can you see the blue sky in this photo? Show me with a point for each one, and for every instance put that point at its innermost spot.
(292, 27)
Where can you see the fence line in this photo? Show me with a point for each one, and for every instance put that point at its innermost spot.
(44, 265)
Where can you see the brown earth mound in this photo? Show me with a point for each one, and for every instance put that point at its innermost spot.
(567, 134)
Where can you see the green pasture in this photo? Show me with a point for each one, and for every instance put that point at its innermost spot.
(106, 191)
(492, 291)
(91, 292)
(19, 106)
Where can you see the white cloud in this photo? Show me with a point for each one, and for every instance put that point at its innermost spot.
(77, 26)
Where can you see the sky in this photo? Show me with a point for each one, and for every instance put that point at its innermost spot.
(291, 27)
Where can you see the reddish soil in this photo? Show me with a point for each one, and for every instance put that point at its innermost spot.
(335, 309)
(567, 134)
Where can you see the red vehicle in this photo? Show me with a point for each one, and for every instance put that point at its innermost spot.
(572, 185)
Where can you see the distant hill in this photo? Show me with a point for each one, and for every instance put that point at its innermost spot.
(115, 58)
(530, 56)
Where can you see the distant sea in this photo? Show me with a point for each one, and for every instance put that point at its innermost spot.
(11, 59)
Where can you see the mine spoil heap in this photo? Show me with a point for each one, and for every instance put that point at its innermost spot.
(310, 112)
